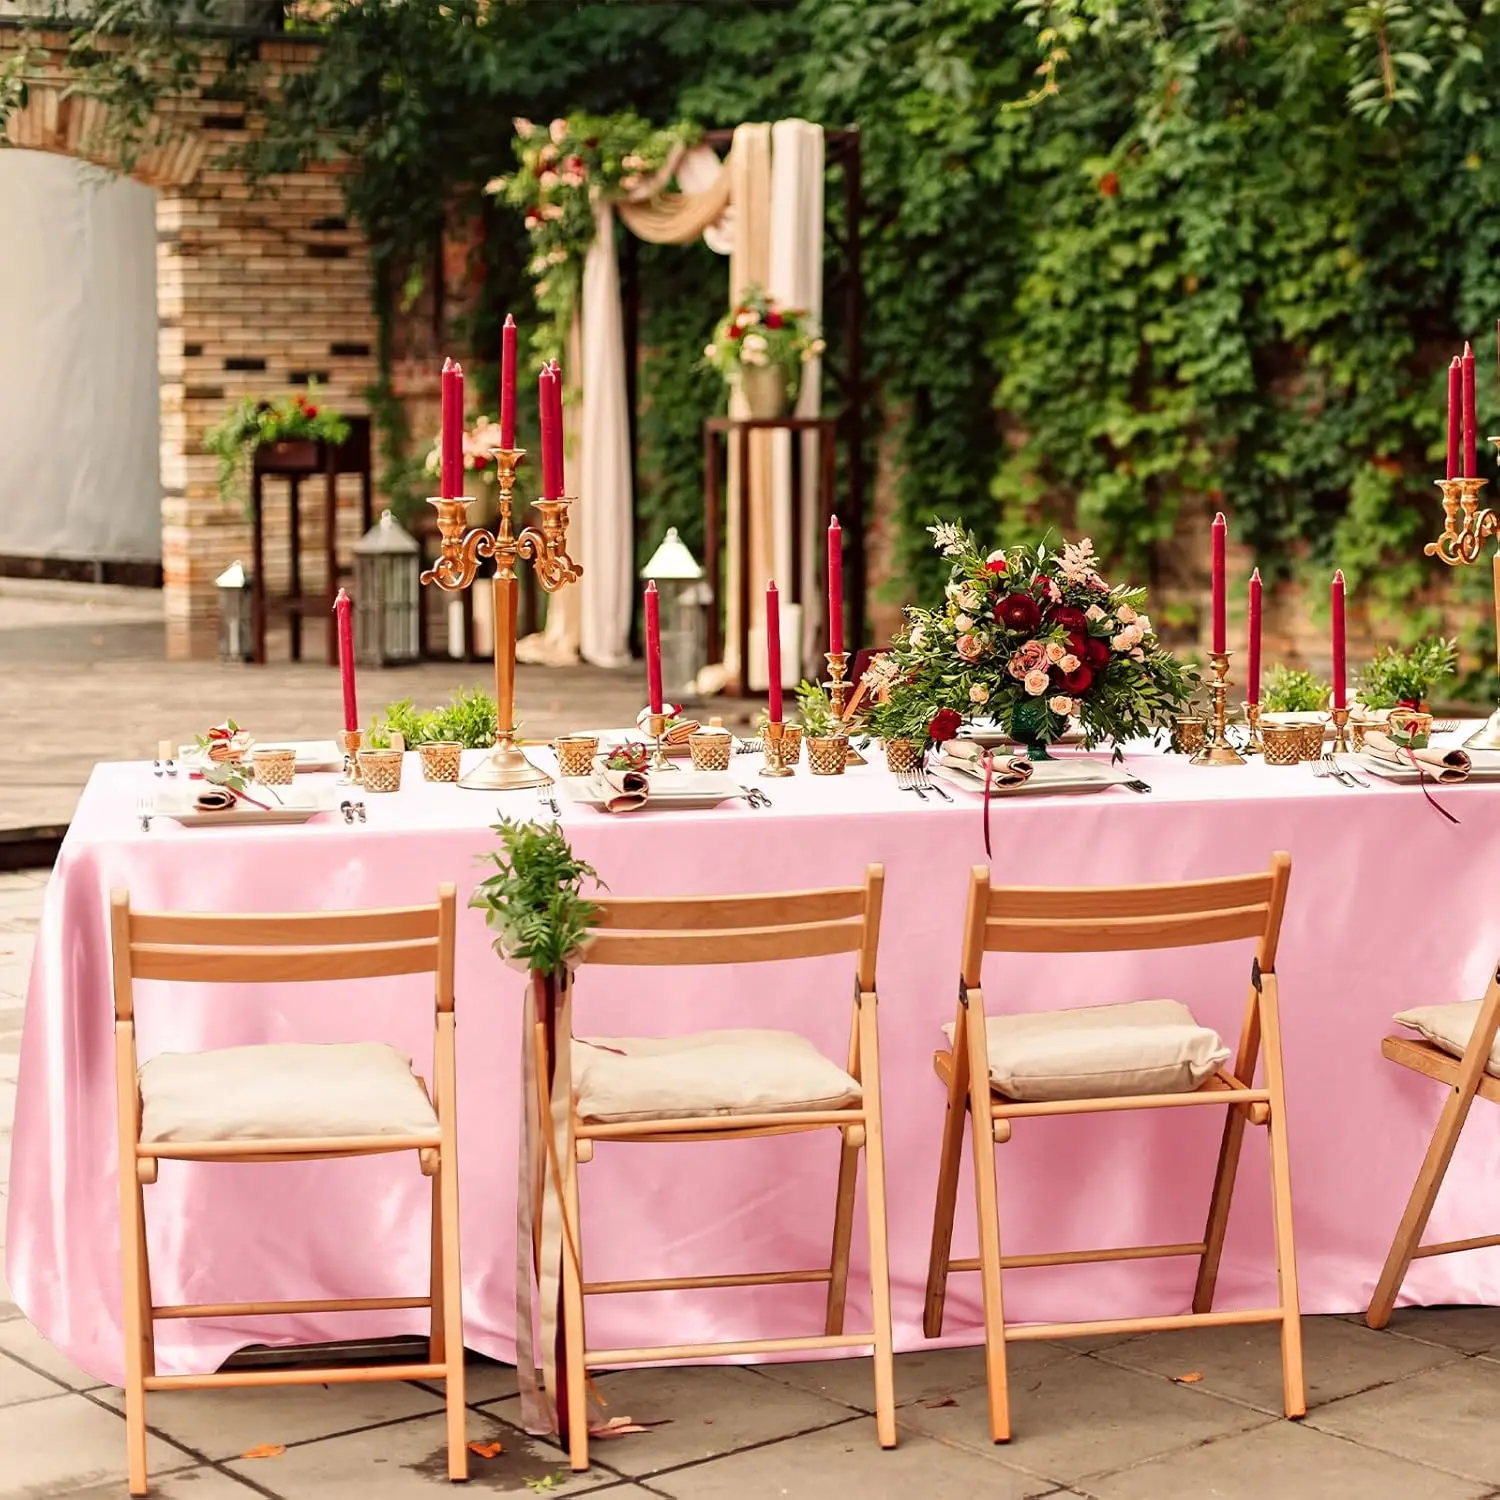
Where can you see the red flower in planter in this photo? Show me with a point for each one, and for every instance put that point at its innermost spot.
(773, 320)
(1072, 619)
(944, 725)
(1078, 682)
(1095, 652)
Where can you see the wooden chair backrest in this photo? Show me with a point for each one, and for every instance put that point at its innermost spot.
(1113, 919)
(742, 929)
(207, 948)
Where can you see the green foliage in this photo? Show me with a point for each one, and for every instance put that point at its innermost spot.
(1289, 691)
(469, 718)
(251, 422)
(1394, 676)
(377, 736)
(534, 902)
(818, 717)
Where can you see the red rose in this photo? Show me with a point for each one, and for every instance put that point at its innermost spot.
(1073, 620)
(773, 320)
(1109, 185)
(995, 565)
(309, 411)
(944, 725)
(1079, 682)
(1078, 644)
(1095, 652)
(1019, 612)
(734, 331)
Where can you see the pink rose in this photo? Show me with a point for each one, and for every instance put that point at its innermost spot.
(1070, 663)
(1061, 704)
(558, 130)
(1036, 683)
(1032, 657)
(1124, 614)
(970, 647)
(1137, 654)
(1055, 652)
(1122, 641)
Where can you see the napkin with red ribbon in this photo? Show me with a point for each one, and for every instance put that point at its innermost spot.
(1443, 766)
(982, 764)
(625, 788)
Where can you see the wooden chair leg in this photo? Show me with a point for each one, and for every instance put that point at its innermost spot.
(950, 1167)
(843, 1233)
(880, 1259)
(134, 1280)
(453, 1316)
(1218, 1209)
(437, 1343)
(1294, 1390)
(1419, 1206)
(573, 1324)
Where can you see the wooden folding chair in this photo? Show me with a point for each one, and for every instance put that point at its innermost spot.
(1459, 1040)
(244, 1104)
(1017, 919)
(794, 1088)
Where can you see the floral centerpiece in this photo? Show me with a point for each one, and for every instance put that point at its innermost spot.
(252, 423)
(481, 438)
(1031, 638)
(760, 347)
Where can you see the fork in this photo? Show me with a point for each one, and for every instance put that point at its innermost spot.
(906, 781)
(1445, 726)
(754, 796)
(925, 783)
(548, 798)
(1332, 769)
(143, 812)
(750, 747)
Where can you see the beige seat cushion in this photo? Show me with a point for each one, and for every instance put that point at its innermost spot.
(708, 1073)
(1101, 1052)
(1450, 1027)
(291, 1092)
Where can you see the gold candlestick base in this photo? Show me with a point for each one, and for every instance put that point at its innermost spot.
(350, 741)
(1341, 745)
(1253, 742)
(656, 727)
(838, 697)
(775, 753)
(1218, 751)
(504, 769)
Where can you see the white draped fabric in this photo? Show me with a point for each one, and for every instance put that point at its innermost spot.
(764, 208)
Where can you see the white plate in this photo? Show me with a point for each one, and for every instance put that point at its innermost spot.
(312, 755)
(1071, 777)
(1388, 772)
(297, 805)
(667, 789)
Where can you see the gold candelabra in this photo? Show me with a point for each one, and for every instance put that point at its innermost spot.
(1460, 543)
(505, 768)
(839, 689)
(1217, 749)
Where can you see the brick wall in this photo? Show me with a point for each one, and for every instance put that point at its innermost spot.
(257, 291)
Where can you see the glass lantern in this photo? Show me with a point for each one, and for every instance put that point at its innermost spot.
(684, 615)
(387, 595)
(236, 614)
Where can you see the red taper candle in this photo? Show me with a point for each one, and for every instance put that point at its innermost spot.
(1336, 601)
(343, 613)
(1220, 529)
(559, 465)
(544, 383)
(1471, 422)
(1455, 414)
(773, 650)
(508, 383)
(1252, 675)
(835, 587)
(653, 646)
(451, 444)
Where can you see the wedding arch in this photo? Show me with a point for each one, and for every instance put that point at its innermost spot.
(762, 207)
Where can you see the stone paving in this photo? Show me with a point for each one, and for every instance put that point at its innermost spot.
(1407, 1414)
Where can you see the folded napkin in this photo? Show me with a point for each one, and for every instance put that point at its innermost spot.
(626, 790)
(678, 729)
(1441, 765)
(214, 799)
(969, 759)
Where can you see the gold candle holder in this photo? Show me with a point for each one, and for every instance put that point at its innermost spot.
(1341, 743)
(1218, 751)
(656, 727)
(838, 698)
(776, 752)
(349, 742)
(1466, 528)
(1253, 744)
(546, 545)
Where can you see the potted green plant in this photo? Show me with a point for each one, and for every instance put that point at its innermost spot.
(467, 719)
(292, 426)
(759, 347)
(1290, 695)
(1406, 678)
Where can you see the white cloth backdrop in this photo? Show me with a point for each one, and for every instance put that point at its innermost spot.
(773, 233)
(79, 460)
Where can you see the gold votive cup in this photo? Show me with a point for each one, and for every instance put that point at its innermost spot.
(575, 753)
(902, 755)
(274, 767)
(710, 751)
(1312, 740)
(791, 744)
(1282, 744)
(1189, 734)
(827, 755)
(440, 759)
(1412, 725)
(380, 770)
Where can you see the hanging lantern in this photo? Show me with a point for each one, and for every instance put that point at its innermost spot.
(685, 598)
(387, 568)
(236, 632)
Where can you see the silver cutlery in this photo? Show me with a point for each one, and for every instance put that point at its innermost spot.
(925, 783)
(352, 810)
(143, 812)
(1331, 768)
(1445, 726)
(906, 781)
(548, 798)
(158, 768)
(754, 796)
(750, 747)
(1135, 784)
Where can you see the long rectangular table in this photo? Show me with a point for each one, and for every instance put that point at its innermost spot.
(1390, 906)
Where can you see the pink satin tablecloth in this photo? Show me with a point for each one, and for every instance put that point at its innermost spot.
(1390, 906)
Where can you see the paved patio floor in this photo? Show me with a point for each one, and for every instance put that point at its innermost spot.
(1409, 1413)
